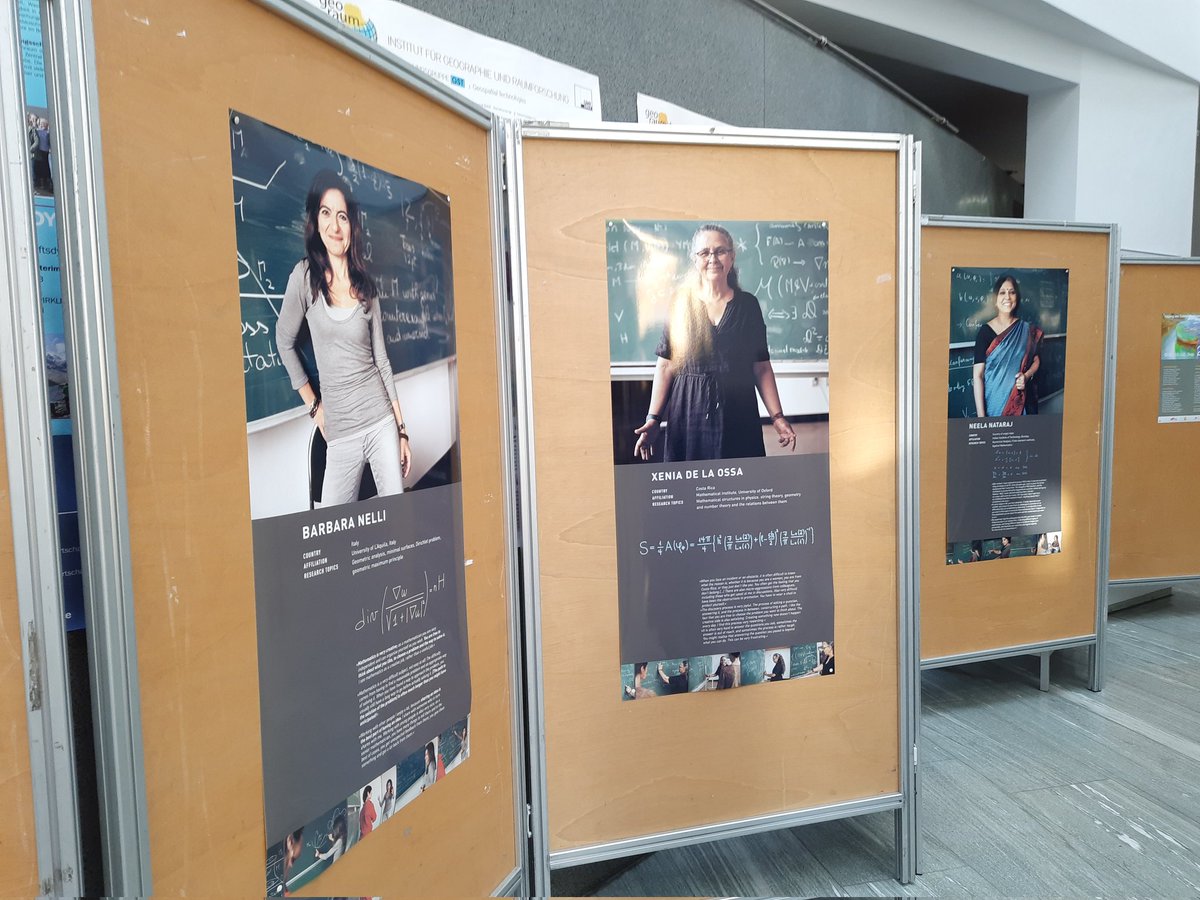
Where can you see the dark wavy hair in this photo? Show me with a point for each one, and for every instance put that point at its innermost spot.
(318, 258)
(1016, 289)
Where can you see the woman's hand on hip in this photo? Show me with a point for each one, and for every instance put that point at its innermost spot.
(647, 435)
(787, 437)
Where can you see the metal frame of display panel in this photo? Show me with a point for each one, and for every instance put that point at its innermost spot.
(88, 311)
(907, 472)
(30, 479)
(1095, 641)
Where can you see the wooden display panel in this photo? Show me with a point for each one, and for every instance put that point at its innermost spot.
(168, 74)
(1154, 466)
(1013, 602)
(622, 770)
(18, 874)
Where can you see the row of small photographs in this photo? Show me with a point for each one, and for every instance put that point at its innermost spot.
(308, 851)
(963, 552)
(722, 671)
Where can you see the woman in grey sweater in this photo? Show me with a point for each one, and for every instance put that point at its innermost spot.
(331, 291)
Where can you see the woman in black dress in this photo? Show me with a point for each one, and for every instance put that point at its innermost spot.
(711, 359)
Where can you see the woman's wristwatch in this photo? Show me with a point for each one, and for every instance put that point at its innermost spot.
(778, 415)
(404, 434)
(312, 410)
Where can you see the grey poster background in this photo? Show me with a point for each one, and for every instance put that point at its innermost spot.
(975, 466)
(659, 590)
(313, 632)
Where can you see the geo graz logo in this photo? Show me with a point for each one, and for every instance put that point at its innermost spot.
(350, 15)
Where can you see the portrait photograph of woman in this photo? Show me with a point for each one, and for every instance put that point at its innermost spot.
(347, 304)
(698, 381)
(1007, 342)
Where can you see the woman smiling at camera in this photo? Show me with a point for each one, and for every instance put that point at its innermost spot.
(331, 291)
(1007, 357)
(711, 359)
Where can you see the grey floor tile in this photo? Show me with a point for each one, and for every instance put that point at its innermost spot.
(1136, 844)
(771, 864)
(985, 737)
(959, 882)
(993, 834)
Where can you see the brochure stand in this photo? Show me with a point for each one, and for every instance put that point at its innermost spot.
(1155, 449)
(145, 103)
(1036, 605)
(613, 778)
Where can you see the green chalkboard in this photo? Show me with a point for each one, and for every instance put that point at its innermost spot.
(405, 228)
(805, 658)
(1043, 299)
(784, 264)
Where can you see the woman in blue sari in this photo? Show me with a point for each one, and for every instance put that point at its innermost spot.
(1007, 357)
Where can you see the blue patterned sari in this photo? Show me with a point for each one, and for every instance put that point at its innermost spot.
(1011, 352)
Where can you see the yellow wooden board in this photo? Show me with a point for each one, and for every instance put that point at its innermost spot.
(1012, 602)
(618, 771)
(1155, 487)
(168, 73)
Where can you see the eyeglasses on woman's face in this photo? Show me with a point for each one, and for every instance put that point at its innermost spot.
(709, 252)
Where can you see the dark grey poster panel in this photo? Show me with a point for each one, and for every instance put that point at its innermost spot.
(347, 332)
(1008, 334)
(1179, 369)
(723, 538)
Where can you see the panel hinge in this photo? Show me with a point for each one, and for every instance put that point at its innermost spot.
(914, 756)
(35, 670)
(528, 821)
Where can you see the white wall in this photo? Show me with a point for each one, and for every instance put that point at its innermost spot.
(278, 455)
(1113, 97)
(1165, 30)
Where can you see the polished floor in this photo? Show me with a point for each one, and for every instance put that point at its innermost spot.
(1026, 794)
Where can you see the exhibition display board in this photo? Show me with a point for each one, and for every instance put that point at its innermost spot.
(1156, 439)
(688, 536)
(326, 660)
(1015, 436)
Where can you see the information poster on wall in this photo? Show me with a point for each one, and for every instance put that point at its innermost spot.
(1008, 338)
(508, 80)
(724, 565)
(1179, 369)
(345, 284)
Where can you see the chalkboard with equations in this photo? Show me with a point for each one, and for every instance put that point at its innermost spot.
(784, 264)
(405, 239)
(1043, 299)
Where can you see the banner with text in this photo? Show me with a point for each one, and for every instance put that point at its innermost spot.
(346, 290)
(1008, 336)
(724, 563)
(508, 80)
